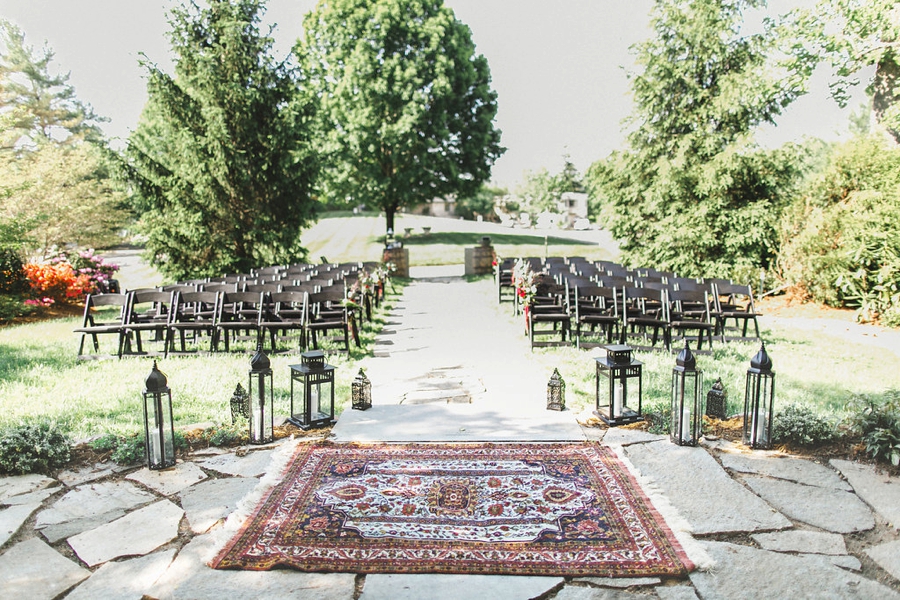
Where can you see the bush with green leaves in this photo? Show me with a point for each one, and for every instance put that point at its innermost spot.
(876, 420)
(33, 448)
(126, 449)
(800, 425)
(840, 242)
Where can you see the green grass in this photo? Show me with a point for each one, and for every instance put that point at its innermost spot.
(41, 380)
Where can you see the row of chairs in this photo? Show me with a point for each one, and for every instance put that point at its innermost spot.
(640, 303)
(182, 321)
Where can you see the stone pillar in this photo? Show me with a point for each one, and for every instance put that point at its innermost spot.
(399, 257)
(479, 260)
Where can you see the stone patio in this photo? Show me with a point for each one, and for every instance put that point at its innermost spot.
(761, 525)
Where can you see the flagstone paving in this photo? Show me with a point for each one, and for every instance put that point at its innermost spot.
(760, 525)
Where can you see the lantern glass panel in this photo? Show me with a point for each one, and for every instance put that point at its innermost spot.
(159, 432)
(687, 389)
(759, 399)
(262, 404)
(623, 381)
(312, 382)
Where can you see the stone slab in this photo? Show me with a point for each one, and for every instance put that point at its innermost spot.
(676, 592)
(744, 572)
(887, 556)
(879, 490)
(829, 509)
(845, 562)
(572, 592)
(89, 506)
(624, 437)
(170, 481)
(35, 497)
(13, 517)
(797, 470)
(188, 578)
(701, 490)
(253, 464)
(456, 587)
(124, 580)
(33, 570)
(209, 501)
(135, 534)
(75, 477)
(23, 484)
(619, 582)
(454, 423)
(809, 542)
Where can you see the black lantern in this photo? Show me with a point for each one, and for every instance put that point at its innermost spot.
(262, 399)
(618, 367)
(361, 392)
(556, 392)
(717, 401)
(759, 401)
(316, 382)
(240, 404)
(687, 387)
(159, 431)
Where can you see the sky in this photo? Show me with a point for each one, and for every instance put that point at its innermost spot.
(559, 69)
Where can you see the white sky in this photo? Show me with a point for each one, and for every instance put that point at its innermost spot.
(560, 72)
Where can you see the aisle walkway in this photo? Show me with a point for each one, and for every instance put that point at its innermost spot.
(760, 524)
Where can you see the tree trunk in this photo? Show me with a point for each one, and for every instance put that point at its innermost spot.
(887, 76)
(389, 212)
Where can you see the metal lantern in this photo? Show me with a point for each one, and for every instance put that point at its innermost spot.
(717, 401)
(159, 431)
(361, 392)
(687, 388)
(619, 368)
(240, 404)
(262, 399)
(315, 407)
(759, 401)
(556, 392)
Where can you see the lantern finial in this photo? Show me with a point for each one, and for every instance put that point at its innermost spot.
(686, 358)
(762, 361)
(156, 381)
(259, 362)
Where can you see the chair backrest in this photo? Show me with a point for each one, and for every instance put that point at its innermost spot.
(198, 307)
(686, 283)
(242, 306)
(734, 297)
(641, 301)
(179, 287)
(92, 301)
(262, 287)
(291, 305)
(599, 297)
(222, 286)
(150, 304)
(330, 299)
(696, 303)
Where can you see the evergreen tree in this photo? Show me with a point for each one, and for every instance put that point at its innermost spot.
(407, 107)
(693, 193)
(221, 161)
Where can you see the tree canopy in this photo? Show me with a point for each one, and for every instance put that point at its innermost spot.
(221, 162)
(693, 193)
(407, 108)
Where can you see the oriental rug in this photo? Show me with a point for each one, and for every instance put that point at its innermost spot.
(570, 509)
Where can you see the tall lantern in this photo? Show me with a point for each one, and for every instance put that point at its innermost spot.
(759, 401)
(361, 392)
(262, 399)
(619, 368)
(556, 392)
(316, 382)
(687, 387)
(159, 431)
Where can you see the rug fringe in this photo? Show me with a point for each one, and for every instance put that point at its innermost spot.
(244, 509)
(679, 526)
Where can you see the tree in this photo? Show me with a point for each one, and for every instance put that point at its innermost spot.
(221, 161)
(693, 193)
(852, 35)
(406, 104)
(35, 104)
(481, 204)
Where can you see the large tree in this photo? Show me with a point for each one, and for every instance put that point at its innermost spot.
(406, 103)
(693, 193)
(852, 35)
(221, 161)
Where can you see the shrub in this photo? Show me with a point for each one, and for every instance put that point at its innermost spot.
(12, 275)
(129, 450)
(228, 435)
(801, 426)
(876, 420)
(36, 448)
(12, 307)
(96, 268)
(56, 282)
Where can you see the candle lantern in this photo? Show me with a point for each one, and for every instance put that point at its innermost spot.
(556, 392)
(717, 401)
(623, 374)
(759, 401)
(240, 404)
(262, 399)
(687, 386)
(159, 432)
(361, 392)
(315, 407)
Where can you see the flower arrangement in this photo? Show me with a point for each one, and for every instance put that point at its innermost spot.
(524, 282)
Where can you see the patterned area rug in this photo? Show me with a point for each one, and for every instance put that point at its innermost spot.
(529, 509)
